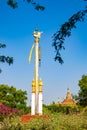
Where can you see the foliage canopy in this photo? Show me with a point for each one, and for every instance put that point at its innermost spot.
(83, 91)
(14, 4)
(12, 97)
(5, 59)
(65, 31)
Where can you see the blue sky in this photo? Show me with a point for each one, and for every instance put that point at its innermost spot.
(16, 29)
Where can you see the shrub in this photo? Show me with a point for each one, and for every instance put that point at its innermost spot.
(54, 108)
(38, 123)
(7, 112)
(84, 112)
(13, 123)
(53, 122)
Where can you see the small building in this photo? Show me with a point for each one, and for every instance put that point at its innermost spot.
(68, 101)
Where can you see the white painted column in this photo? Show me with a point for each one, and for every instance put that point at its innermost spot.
(36, 76)
(33, 98)
(40, 103)
(40, 96)
(33, 104)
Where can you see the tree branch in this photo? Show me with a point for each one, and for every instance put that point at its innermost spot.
(14, 4)
(65, 31)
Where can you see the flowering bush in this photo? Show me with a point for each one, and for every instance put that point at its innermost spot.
(7, 111)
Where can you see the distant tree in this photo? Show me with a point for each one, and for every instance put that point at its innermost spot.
(53, 102)
(12, 97)
(65, 31)
(83, 91)
(74, 96)
(5, 59)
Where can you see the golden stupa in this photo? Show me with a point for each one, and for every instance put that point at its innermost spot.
(68, 101)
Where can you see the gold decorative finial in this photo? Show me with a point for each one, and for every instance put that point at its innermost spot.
(37, 34)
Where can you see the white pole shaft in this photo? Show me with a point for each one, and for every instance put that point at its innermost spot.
(33, 104)
(36, 76)
(40, 103)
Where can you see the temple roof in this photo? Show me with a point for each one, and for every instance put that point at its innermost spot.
(68, 100)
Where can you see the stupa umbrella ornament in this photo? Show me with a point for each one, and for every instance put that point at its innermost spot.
(36, 99)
